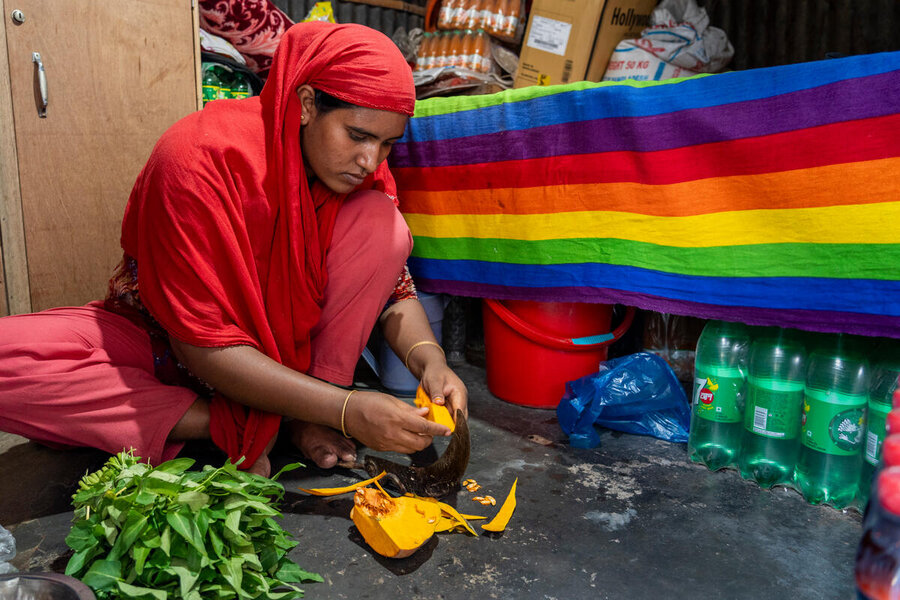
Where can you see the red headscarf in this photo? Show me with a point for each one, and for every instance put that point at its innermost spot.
(229, 238)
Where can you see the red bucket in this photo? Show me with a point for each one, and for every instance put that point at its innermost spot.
(533, 348)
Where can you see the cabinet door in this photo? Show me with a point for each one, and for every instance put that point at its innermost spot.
(117, 73)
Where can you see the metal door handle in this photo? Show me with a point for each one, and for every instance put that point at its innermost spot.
(42, 83)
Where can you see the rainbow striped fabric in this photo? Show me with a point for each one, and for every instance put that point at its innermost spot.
(769, 196)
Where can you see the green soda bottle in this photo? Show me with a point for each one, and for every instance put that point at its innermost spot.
(775, 380)
(240, 87)
(720, 368)
(224, 75)
(211, 84)
(883, 385)
(833, 423)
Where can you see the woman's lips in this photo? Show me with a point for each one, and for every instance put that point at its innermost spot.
(353, 179)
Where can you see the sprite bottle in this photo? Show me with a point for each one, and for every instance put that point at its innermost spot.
(718, 400)
(211, 84)
(881, 392)
(776, 377)
(833, 423)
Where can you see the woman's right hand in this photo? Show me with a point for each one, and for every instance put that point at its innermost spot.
(386, 424)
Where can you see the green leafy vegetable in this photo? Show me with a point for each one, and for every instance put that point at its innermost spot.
(169, 532)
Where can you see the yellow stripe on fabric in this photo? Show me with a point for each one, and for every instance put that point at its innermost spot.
(849, 224)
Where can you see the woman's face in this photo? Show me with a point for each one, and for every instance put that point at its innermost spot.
(344, 145)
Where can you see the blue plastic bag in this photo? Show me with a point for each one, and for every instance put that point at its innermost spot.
(638, 393)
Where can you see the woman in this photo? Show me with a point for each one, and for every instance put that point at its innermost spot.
(262, 243)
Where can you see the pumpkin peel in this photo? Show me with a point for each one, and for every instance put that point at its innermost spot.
(452, 512)
(335, 491)
(437, 413)
(393, 527)
(501, 519)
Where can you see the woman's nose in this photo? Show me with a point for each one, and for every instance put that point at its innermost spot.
(368, 158)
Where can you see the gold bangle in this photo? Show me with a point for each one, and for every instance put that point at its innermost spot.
(344, 412)
(416, 345)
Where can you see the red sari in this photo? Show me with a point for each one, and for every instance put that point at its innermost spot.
(229, 239)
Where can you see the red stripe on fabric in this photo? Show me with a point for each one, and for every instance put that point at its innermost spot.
(851, 141)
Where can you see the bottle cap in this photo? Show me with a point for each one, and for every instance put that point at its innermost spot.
(889, 489)
(890, 450)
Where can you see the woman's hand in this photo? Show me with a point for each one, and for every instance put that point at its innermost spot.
(444, 386)
(387, 424)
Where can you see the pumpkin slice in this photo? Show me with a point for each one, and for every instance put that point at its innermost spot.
(393, 527)
(437, 413)
(453, 513)
(342, 490)
(500, 520)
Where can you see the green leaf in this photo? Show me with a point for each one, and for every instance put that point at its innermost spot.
(103, 574)
(290, 572)
(187, 578)
(287, 468)
(195, 500)
(175, 466)
(134, 527)
(139, 553)
(233, 572)
(108, 530)
(134, 592)
(80, 559)
(81, 536)
(165, 541)
(162, 483)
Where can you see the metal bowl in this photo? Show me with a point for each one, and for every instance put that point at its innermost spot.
(43, 586)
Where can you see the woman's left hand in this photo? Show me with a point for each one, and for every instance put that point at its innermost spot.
(444, 386)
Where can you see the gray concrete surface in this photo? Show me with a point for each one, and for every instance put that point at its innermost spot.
(632, 519)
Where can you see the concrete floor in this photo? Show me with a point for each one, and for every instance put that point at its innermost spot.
(631, 519)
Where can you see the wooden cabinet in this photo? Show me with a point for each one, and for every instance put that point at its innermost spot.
(116, 74)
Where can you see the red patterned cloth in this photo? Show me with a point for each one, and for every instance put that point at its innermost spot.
(254, 28)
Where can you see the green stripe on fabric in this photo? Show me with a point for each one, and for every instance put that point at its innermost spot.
(443, 105)
(838, 261)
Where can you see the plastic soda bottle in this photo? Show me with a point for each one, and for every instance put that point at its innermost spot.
(240, 87)
(776, 377)
(481, 57)
(210, 83)
(422, 51)
(881, 392)
(833, 422)
(878, 554)
(720, 367)
(447, 15)
(513, 8)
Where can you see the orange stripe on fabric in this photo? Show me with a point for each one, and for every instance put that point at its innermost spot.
(833, 185)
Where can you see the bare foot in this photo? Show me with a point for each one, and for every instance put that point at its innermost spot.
(323, 445)
(262, 466)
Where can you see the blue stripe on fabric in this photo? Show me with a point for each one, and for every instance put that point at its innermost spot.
(865, 296)
(600, 101)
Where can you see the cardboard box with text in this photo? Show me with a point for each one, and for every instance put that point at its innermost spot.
(572, 40)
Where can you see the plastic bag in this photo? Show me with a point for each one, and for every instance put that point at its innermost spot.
(678, 43)
(637, 393)
(7, 551)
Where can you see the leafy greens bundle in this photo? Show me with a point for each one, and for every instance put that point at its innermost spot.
(154, 533)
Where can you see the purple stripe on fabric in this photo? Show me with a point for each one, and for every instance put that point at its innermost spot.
(824, 321)
(850, 99)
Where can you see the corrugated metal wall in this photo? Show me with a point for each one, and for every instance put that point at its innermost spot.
(386, 20)
(777, 32)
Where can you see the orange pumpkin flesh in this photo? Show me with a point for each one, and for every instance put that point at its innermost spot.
(437, 413)
(393, 527)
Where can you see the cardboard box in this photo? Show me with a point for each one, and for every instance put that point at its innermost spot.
(572, 40)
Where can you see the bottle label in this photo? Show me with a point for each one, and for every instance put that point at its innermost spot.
(833, 423)
(719, 397)
(875, 431)
(210, 92)
(773, 408)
